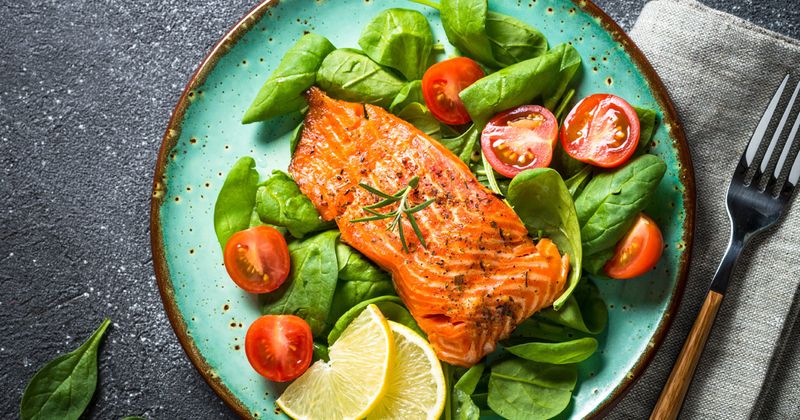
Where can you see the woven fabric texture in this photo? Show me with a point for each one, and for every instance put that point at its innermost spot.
(721, 72)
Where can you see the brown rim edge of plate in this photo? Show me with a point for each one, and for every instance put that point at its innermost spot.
(241, 27)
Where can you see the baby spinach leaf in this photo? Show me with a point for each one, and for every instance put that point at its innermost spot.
(565, 164)
(350, 75)
(308, 292)
(611, 200)
(595, 263)
(464, 407)
(538, 328)
(421, 117)
(359, 280)
(297, 134)
(283, 92)
(521, 389)
(400, 39)
(63, 387)
(391, 307)
(512, 40)
(464, 23)
(543, 203)
(544, 77)
(463, 145)
(280, 202)
(320, 352)
(647, 126)
(410, 93)
(236, 200)
(576, 183)
(566, 352)
(584, 311)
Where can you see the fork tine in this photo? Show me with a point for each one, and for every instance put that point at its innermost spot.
(761, 130)
(779, 130)
(794, 174)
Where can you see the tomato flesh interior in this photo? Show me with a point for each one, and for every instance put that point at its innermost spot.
(638, 252)
(519, 139)
(279, 347)
(257, 259)
(602, 130)
(441, 85)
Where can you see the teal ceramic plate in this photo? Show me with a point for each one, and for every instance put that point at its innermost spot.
(204, 138)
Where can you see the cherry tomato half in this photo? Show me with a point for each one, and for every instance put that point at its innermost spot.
(279, 347)
(520, 138)
(602, 130)
(638, 252)
(442, 83)
(257, 259)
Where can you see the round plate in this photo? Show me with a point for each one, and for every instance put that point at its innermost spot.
(204, 138)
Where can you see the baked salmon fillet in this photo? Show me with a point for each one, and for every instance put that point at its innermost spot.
(478, 276)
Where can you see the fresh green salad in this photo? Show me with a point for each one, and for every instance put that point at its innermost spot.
(575, 170)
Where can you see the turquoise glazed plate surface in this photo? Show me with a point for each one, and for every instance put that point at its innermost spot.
(204, 138)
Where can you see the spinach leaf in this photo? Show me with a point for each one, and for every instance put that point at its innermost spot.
(576, 183)
(595, 263)
(574, 351)
(610, 202)
(421, 117)
(464, 23)
(512, 40)
(308, 292)
(359, 280)
(400, 39)
(391, 307)
(64, 386)
(465, 408)
(538, 328)
(647, 126)
(236, 200)
(565, 164)
(320, 352)
(410, 93)
(350, 75)
(584, 311)
(521, 389)
(544, 77)
(543, 203)
(279, 202)
(464, 145)
(297, 134)
(283, 92)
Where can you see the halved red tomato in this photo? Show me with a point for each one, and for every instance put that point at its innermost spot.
(279, 347)
(519, 139)
(638, 252)
(257, 259)
(602, 130)
(442, 83)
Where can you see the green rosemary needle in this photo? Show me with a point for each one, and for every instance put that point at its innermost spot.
(400, 197)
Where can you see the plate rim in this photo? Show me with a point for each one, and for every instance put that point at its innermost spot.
(242, 26)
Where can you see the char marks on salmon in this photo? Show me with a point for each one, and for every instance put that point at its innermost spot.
(480, 274)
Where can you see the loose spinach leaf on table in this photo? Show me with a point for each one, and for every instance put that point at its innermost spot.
(283, 92)
(584, 311)
(400, 39)
(279, 202)
(610, 202)
(512, 40)
(541, 200)
(545, 77)
(566, 352)
(63, 387)
(308, 292)
(359, 280)
(463, 406)
(410, 93)
(521, 389)
(391, 307)
(647, 126)
(349, 75)
(236, 200)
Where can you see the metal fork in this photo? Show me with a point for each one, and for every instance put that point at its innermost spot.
(754, 204)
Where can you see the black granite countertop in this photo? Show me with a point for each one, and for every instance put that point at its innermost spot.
(86, 89)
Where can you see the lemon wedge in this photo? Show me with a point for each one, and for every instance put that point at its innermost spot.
(355, 379)
(416, 385)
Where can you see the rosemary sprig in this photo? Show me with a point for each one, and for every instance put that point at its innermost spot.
(400, 197)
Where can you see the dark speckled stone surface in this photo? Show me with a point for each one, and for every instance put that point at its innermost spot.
(86, 89)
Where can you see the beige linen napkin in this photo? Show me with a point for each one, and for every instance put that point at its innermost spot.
(721, 72)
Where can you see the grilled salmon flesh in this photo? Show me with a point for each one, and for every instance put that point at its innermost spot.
(480, 274)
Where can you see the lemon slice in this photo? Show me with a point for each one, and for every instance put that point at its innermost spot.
(355, 379)
(416, 384)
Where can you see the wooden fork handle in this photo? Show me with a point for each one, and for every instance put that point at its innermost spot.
(671, 399)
